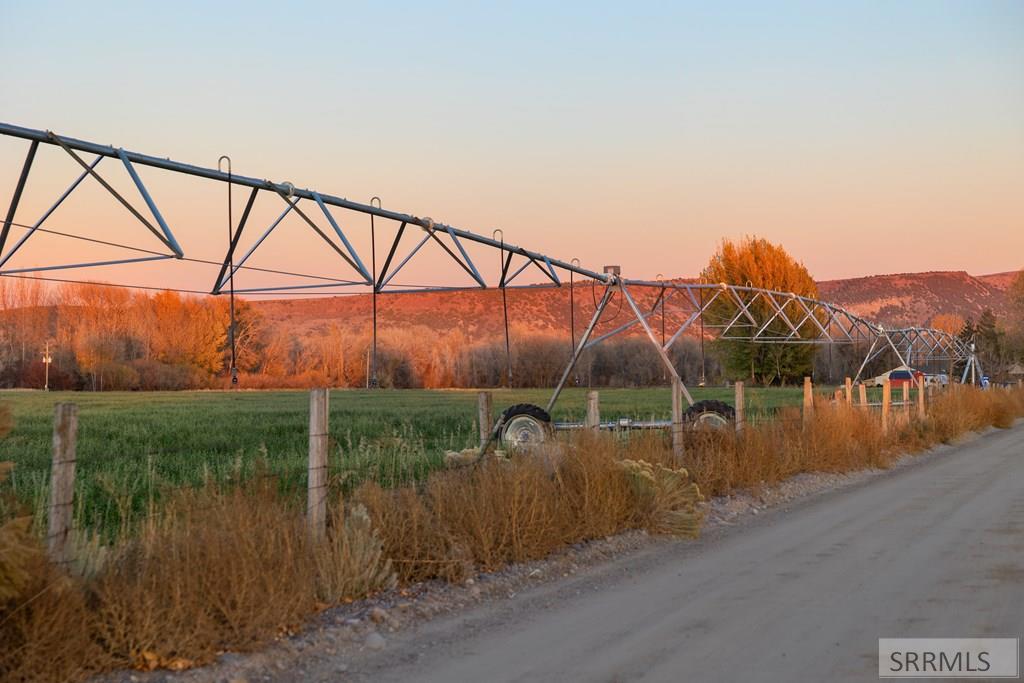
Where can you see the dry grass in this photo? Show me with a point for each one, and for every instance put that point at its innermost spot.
(230, 568)
(501, 511)
(46, 633)
(840, 439)
(215, 570)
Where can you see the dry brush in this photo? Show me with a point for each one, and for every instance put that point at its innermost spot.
(233, 566)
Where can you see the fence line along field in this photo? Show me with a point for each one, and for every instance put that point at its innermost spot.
(133, 446)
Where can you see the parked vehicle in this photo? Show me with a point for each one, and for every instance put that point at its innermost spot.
(897, 377)
(940, 379)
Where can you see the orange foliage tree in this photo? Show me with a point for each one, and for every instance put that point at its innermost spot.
(757, 262)
(949, 322)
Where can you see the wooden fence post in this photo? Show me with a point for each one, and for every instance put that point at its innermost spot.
(849, 391)
(920, 398)
(862, 393)
(593, 420)
(808, 399)
(62, 482)
(886, 403)
(677, 418)
(484, 415)
(316, 500)
(906, 398)
(740, 406)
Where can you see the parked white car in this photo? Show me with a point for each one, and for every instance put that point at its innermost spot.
(897, 377)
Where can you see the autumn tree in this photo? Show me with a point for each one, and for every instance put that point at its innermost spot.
(1016, 295)
(1015, 324)
(757, 262)
(25, 325)
(948, 322)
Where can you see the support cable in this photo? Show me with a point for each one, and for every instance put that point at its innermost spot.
(703, 364)
(504, 304)
(231, 279)
(106, 284)
(373, 265)
(189, 259)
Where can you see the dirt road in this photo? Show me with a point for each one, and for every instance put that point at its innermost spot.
(936, 549)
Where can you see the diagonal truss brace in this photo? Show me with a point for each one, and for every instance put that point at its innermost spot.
(163, 234)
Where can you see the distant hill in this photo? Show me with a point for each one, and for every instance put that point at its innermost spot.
(916, 298)
(898, 299)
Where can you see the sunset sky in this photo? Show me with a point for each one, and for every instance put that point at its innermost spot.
(867, 137)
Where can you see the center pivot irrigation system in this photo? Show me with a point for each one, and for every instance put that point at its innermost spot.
(709, 310)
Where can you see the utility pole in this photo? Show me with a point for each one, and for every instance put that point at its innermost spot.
(47, 359)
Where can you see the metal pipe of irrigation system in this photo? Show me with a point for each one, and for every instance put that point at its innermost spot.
(47, 137)
(780, 305)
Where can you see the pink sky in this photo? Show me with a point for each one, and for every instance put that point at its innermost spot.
(863, 140)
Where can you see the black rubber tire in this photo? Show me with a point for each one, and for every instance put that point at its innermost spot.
(525, 409)
(719, 407)
(528, 409)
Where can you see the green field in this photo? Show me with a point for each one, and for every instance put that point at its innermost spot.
(134, 446)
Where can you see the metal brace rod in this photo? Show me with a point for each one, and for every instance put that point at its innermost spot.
(266, 233)
(551, 269)
(325, 238)
(476, 276)
(19, 188)
(625, 326)
(173, 243)
(53, 207)
(809, 312)
(504, 270)
(654, 340)
(682, 328)
(69, 266)
(468, 261)
(219, 283)
(420, 290)
(293, 287)
(778, 311)
(743, 311)
(521, 268)
(107, 186)
(426, 238)
(605, 298)
(391, 255)
(358, 265)
(546, 272)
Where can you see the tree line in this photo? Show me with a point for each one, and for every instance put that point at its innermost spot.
(108, 338)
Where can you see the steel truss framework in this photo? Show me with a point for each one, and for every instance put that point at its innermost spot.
(754, 314)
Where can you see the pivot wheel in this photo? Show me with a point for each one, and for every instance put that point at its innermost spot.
(524, 426)
(714, 414)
